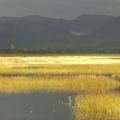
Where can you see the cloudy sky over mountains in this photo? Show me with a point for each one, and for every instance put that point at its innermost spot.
(59, 8)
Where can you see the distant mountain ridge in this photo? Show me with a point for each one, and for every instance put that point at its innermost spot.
(89, 23)
(108, 36)
(39, 32)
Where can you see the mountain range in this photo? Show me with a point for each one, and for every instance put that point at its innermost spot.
(45, 33)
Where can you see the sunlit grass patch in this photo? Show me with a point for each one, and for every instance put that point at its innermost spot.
(65, 77)
(58, 68)
(98, 107)
(53, 84)
(61, 59)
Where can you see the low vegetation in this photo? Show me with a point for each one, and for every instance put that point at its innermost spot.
(96, 85)
(98, 107)
(55, 84)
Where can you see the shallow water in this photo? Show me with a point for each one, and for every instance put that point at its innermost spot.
(37, 106)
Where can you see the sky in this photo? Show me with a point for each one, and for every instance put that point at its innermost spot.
(67, 9)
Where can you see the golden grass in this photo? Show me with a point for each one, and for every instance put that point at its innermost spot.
(53, 84)
(98, 107)
(66, 69)
(61, 59)
(23, 77)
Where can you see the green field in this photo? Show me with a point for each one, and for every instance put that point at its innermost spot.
(94, 79)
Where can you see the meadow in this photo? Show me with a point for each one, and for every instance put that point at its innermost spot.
(93, 79)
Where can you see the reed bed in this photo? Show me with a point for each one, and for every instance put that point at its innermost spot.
(53, 84)
(98, 107)
(58, 77)
(98, 81)
(61, 59)
(51, 68)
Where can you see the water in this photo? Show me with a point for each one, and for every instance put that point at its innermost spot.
(42, 106)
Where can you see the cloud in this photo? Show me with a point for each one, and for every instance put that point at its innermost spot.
(59, 8)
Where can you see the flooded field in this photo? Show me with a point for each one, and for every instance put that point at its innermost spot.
(81, 87)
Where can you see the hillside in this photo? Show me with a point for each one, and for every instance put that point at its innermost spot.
(108, 36)
(88, 24)
(39, 32)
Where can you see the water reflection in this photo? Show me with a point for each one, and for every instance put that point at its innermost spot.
(42, 106)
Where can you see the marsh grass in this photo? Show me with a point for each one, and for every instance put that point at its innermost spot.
(97, 81)
(61, 59)
(65, 78)
(19, 76)
(57, 68)
(53, 84)
(98, 107)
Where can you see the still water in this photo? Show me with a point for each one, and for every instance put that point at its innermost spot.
(35, 106)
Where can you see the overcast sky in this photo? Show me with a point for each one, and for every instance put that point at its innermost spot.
(59, 8)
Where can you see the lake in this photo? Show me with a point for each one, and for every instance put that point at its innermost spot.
(35, 106)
